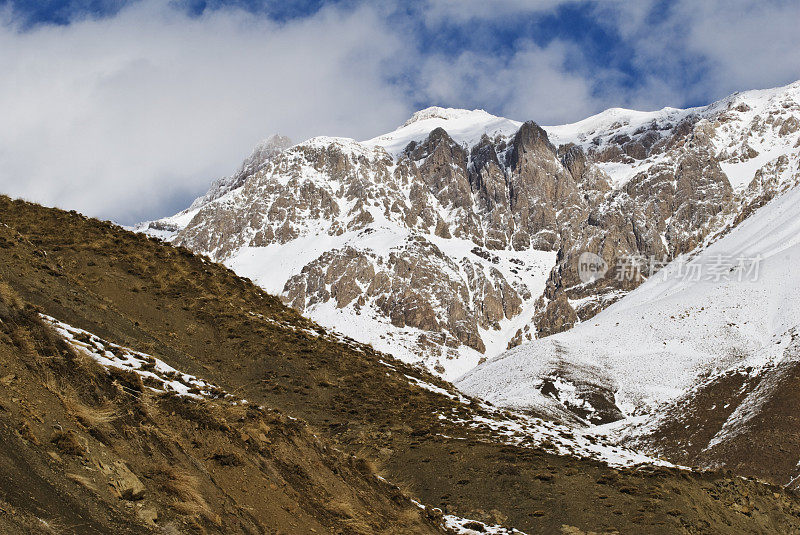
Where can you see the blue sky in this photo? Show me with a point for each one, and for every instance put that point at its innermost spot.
(127, 110)
(579, 23)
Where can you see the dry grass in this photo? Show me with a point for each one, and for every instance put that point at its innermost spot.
(182, 484)
(127, 380)
(22, 340)
(8, 296)
(85, 362)
(186, 489)
(206, 414)
(90, 417)
(53, 384)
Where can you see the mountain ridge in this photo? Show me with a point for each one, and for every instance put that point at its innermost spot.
(437, 188)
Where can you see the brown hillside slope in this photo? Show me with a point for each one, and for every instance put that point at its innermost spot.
(201, 318)
(694, 429)
(83, 450)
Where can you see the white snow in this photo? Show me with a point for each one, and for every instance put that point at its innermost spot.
(657, 341)
(613, 122)
(741, 174)
(375, 329)
(519, 429)
(737, 130)
(271, 266)
(465, 526)
(464, 126)
(114, 356)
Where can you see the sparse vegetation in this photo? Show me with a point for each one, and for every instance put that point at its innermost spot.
(90, 417)
(250, 463)
(186, 489)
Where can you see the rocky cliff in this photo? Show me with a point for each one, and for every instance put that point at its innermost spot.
(458, 234)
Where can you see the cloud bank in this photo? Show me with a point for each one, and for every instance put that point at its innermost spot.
(119, 117)
(131, 115)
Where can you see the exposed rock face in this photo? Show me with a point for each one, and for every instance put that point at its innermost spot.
(459, 234)
(660, 213)
(556, 317)
(689, 176)
(414, 286)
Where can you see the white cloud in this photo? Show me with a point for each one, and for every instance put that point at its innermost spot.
(747, 44)
(531, 84)
(460, 11)
(120, 116)
(696, 51)
(130, 116)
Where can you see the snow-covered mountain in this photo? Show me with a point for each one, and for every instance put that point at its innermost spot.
(705, 352)
(459, 234)
(733, 304)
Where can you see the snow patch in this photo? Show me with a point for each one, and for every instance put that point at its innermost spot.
(661, 339)
(465, 127)
(157, 374)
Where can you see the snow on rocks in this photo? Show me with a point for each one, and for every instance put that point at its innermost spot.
(465, 526)
(750, 129)
(379, 242)
(466, 127)
(677, 331)
(437, 390)
(573, 439)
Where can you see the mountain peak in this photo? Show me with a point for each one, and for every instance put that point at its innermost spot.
(273, 142)
(264, 151)
(437, 112)
(466, 127)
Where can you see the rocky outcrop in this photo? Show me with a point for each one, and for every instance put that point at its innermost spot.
(680, 199)
(414, 285)
(387, 236)
(557, 316)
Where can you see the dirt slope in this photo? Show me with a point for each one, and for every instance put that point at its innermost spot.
(200, 318)
(83, 450)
